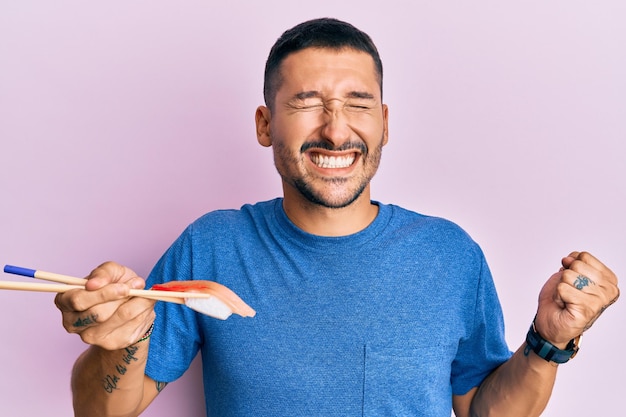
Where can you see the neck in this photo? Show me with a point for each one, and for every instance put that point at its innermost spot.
(324, 221)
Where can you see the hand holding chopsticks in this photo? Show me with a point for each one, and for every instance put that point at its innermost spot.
(79, 283)
(206, 297)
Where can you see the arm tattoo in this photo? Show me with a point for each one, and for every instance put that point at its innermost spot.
(109, 382)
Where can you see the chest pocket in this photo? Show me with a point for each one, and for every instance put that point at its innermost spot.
(408, 381)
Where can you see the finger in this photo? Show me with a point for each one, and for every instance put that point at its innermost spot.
(79, 314)
(124, 328)
(81, 300)
(581, 304)
(77, 322)
(110, 272)
(583, 279)
(549, 288)
(592, 270)
(584, 298)
(107, 316)
(604, 293)
(589, 259)
(583, 275)
(567, 260)
(576, 258)
(580, 281)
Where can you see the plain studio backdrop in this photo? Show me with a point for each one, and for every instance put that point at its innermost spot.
(122, 122)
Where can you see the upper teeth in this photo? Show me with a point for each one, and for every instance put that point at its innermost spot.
(323, 161)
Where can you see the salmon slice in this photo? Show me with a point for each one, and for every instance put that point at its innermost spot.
(228, 298)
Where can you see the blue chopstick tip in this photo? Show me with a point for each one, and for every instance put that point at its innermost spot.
(18, 270)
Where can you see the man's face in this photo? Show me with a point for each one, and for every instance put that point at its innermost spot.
(327, 127)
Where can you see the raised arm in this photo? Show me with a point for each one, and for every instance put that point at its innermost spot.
(108, 378)
(569, 303)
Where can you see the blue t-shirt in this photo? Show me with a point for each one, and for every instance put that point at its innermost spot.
(392, 320)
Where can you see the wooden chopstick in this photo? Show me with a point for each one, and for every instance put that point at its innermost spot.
(35, 286)
(168, 296)
(71, 283)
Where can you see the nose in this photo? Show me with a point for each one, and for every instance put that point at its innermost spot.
(335, 129)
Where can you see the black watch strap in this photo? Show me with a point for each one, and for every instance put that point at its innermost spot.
(547, 350)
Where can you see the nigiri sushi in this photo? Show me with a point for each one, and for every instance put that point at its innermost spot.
(221, 305)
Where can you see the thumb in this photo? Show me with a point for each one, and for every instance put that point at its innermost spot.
(549, 293)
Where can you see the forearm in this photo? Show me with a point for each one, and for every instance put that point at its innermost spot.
(109, 383)
(519, 388)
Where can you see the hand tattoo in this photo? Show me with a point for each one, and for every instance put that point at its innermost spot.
(83, 322)
(582, 281)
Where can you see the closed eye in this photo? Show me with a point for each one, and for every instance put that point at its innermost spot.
(307, 107)
(358, 106)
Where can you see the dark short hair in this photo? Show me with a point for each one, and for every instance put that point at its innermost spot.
(317, 33)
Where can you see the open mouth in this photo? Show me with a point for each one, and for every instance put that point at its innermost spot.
(335, 161)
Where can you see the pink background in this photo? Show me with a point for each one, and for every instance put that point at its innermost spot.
(121, 122)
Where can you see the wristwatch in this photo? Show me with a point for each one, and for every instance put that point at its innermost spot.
(547, 350)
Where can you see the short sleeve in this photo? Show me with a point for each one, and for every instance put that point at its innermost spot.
(485, 347)
(175, 340)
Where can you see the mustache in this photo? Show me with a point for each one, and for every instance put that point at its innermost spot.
(359, 146)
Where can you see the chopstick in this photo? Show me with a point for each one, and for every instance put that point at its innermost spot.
(48, 276)
(71, 283)
(35, 286)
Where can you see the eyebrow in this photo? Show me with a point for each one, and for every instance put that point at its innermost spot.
(361, 94)
(307, 94)
(315, 94)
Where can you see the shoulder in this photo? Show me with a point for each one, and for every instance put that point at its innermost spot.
(431, 237)
(409, 221)
(235, 218)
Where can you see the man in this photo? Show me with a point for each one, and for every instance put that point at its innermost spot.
(363, 308)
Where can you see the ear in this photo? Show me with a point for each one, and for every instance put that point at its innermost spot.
(262, 119)
(385, 124)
